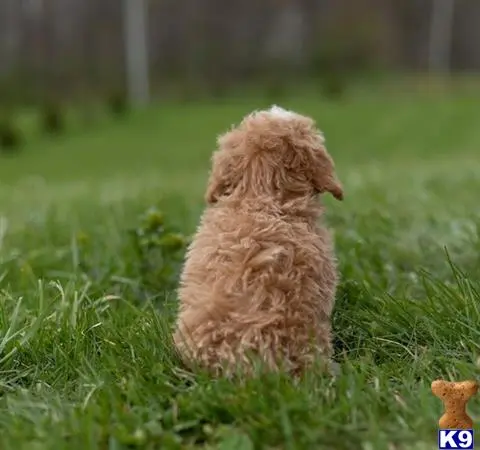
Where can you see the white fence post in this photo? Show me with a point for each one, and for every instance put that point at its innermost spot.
(136, 51)
(441, 30)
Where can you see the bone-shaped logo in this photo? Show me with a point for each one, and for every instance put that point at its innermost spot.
(455, 396)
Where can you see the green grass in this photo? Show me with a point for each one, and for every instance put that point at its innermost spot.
(85, 355)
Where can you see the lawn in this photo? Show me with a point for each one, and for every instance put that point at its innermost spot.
(85, 356)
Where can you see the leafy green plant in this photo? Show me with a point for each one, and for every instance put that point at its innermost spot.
(159, 249)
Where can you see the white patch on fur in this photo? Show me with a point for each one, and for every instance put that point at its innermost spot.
(281, 113)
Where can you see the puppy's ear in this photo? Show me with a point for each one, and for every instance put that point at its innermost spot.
(224, 175)
(325, 178)
(334, 186)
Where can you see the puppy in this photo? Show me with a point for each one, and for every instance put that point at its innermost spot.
(260, 275)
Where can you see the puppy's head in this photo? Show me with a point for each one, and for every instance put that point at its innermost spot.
(274, 153)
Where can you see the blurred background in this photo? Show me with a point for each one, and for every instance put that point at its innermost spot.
(57, 50)
(105, 56)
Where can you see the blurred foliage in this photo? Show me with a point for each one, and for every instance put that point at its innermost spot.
(10, 135)
(52, 118)
(159, 250)
(348, 52)
(277, 78)
(118, 104)
(334, 85)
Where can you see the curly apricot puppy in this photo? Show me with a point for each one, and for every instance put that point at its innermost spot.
(260, 275)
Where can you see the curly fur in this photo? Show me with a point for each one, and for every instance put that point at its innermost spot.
(260, 275)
